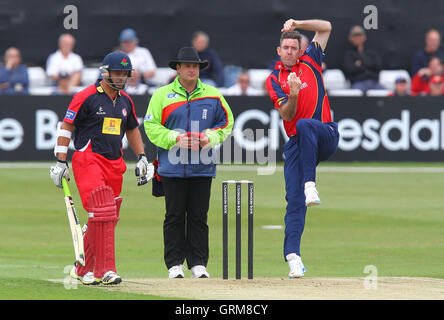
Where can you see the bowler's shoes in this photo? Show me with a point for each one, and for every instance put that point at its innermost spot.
(311, 195)
(111, 278)
(297, 269)
(175, 272)
(199, 271)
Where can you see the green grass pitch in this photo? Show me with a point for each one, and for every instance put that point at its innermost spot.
(394, 221)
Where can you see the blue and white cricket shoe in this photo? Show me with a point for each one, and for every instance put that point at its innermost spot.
(297, 268)
(311, 195)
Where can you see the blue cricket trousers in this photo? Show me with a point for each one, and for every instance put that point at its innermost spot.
(315, 141)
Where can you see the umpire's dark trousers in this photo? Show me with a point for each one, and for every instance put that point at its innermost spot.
(185, 228)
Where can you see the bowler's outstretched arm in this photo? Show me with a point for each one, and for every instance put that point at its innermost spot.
(321, 27)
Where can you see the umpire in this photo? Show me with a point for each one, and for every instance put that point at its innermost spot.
(185, 119)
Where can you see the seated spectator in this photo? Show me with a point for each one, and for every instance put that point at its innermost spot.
(422, 57)
(214, 73)
(136, 89)
(401, 89)
(242, 87)
(420, 82)
(63, 85)
(13, 75)
(304, 45)
(65, 61)
(141, 58)
(361, 65)
(436, 86)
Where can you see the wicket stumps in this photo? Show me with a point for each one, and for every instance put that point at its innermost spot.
(238, 185)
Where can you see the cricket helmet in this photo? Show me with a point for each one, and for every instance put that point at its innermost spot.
(115, 61)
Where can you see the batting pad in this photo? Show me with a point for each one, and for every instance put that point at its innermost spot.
(101, 205)
(102, 219)
(118, 204)
(88, 243)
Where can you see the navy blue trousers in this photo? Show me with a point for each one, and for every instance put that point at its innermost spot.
(315, 141)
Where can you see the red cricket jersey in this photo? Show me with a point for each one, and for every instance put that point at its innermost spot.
(312, 100)
(100, 122)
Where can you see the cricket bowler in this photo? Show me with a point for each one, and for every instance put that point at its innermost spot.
(297, 90)
(97, 118)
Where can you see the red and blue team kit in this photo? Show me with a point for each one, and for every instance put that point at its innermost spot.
(312, 100)
(100, 123)
(313, 137)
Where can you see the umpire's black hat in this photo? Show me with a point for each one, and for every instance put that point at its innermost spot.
(189, 55)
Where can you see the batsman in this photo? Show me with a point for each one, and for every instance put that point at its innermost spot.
(297, 90)
(97, 119)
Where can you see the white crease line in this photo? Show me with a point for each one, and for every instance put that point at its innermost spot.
(14, 266)
(421, 279)
(382, 169)
(272, 227)
(25, 165)
(344, 169)
(252, 168)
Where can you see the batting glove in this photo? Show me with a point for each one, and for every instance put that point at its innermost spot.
(144, 170)
(59, 171)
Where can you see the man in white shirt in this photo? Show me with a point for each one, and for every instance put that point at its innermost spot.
(144, 66)
(65, 61)
(242, 87)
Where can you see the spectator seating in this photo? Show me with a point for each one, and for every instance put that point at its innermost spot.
(335, 79)
(345, 93)
(162, 76)
(258, 77)
(231, 73)
(387, 77)
(37, 77)
(378, 93)
(89, 76)
(41, 91)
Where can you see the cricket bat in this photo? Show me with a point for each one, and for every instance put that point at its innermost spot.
(74, 224)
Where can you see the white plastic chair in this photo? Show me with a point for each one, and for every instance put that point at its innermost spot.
(162, 76)
(89, 76)
(378, 93)
(258, 77)
(41, 91)
(334, 79)
(37, 77)
(345, 93)
(387, 77)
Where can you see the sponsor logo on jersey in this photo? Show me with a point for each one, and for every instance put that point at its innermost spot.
(172, 95)
(70, 115)
(100, 112)
(111, 126)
